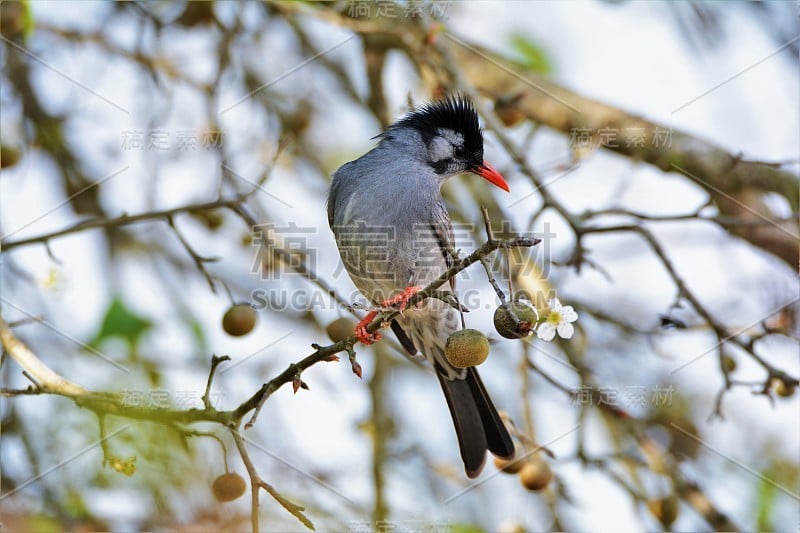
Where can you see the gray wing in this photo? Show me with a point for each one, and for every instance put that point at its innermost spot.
(444, 231)
(333, 193)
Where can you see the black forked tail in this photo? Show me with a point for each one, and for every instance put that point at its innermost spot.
(478, 426)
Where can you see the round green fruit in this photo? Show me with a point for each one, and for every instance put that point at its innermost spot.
(228, 487)
(466, 347)
(535, 474)
(509, 328)
(239, 319)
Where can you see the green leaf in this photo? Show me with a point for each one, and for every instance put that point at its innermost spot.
(123, 323)
(530, 54)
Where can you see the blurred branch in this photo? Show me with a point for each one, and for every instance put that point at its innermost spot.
(324, 353)
(733, 182)
(722, 332)
(48, 130)
(725, 177)
(215, 362)
(103, 403)
(381, 432)
(445, 62)
(152, 64)
(461, 77)
(659, 460)
(720, 220)
(257, 483)
(51, 383)
(46, 380)
(199, 260)
(123, 220)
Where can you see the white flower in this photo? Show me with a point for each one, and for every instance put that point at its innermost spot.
(558, 319)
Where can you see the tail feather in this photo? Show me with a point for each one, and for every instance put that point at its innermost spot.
(497, 437)
(477, 424)
(468, 424)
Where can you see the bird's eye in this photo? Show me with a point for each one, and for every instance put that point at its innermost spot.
(459, 152)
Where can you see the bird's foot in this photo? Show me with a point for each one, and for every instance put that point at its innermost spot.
(401, 300)
(364, 336)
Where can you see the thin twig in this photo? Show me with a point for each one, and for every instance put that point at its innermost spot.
(256, 401)
(215, 362)
(199, 260)
(123, 220)
(257, 483)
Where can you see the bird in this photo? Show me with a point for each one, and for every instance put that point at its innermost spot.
(394, 237)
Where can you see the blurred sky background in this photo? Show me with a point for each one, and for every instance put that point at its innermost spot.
(634, 55)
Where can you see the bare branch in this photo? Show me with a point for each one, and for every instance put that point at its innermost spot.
(123, 220)
(47, 380)
(257, 483)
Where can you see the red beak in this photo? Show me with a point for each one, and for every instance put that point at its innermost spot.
(487, 172)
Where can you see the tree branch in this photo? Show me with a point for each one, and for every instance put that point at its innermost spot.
(729, 179)
(104, 222)
(46, 379)
(49, 382)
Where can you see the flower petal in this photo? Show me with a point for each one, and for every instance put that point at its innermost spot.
(546, 331)
(568, 314)
(565, 330)
(554, 305)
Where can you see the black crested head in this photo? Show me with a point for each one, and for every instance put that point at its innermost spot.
(454, 113)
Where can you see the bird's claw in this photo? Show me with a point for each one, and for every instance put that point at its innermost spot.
(401, 301)
(364, 336)
(402, 298)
